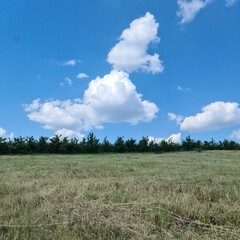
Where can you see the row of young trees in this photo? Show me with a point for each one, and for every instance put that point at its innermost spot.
(91, 144)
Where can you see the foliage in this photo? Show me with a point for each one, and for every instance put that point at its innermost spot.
(119, 145)
(91, 144)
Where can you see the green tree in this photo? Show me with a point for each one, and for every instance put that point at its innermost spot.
(55, 144)
(19, 146)
(92, 144)
(143, 145)
(119, 145)
(30, 145)
(42, 145)
(188, 144)
(4, 146)
(131, 145)
(106, 146)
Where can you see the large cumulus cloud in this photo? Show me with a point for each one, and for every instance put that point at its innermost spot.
(110, 99)
(216, 115)
(130, 53)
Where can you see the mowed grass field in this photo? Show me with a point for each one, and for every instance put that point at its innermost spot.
(185, 195)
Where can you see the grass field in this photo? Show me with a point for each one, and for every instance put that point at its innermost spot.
(121, 196)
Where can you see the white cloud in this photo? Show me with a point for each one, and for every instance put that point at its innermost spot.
(236, 134)
(68, 81)
(174, 117)
(34, 105)
(230, 2)
(11, 135)
(82, 75)
(110, 99)
(214, 116)
(155, 140)
(183, 89)
(189, 9)
(69, 133)
(71, 62)
(130, 53)
(175, 138)
(3, 134)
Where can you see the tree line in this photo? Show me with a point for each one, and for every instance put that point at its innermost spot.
(91, 144)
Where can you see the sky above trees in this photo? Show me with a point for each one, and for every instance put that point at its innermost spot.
(120, 68)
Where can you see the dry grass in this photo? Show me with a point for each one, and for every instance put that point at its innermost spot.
(121, 196)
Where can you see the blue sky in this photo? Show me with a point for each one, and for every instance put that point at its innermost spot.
(120, 68)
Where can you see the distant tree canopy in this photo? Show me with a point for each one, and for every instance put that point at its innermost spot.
(90, 144)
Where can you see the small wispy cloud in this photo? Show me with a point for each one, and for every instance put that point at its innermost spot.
(230, 2)
(236, 134)
(82, 75)
(67, 62)
(38, 76)
(67, 81)
(71, 62)
(177, 118)
(179, 88)
(4, 134)
(189, 9)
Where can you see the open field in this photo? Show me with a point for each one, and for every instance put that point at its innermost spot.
(186, 195)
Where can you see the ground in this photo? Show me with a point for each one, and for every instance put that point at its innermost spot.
(185, 195)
